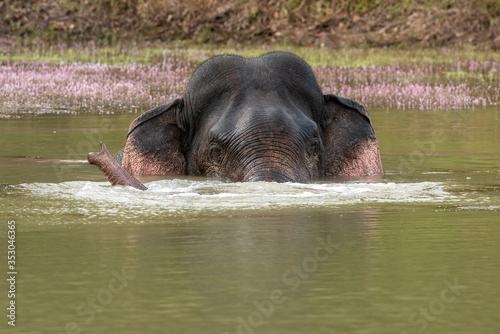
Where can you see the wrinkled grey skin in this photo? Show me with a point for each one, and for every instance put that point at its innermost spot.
(257, 119)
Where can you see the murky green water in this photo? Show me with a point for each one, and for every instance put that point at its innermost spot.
(418, 251)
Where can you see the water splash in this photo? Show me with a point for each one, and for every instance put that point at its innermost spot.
(181, 195)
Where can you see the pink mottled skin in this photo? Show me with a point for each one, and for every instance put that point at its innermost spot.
(116, 174)
(366, 163)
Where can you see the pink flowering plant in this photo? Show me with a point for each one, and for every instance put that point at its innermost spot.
(91, 85)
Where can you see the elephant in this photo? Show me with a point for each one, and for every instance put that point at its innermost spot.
(248, 119)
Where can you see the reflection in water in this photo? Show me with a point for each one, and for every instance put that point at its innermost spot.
(299, 271)
(189, 274)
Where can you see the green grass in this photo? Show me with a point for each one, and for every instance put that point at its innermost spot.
(196, 54)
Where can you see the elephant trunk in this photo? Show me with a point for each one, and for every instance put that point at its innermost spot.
(273, 171)
(268, 177)
(117, 175)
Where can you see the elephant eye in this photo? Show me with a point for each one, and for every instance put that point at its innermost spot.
(215, 152)
(312, 148)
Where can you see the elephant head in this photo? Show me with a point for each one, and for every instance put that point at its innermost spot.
(256, 119)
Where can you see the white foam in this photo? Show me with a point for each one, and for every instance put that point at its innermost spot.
(436, 173)
(75, 161)
(181, 195)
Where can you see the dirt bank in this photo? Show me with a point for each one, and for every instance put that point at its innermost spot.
(332, 23)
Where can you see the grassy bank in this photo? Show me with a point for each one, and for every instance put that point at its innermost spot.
(153, 54)
(331, 23)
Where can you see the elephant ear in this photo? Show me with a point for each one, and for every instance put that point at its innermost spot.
(156, 142)
(351, 148)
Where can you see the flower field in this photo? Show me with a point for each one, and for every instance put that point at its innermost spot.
(42, 86)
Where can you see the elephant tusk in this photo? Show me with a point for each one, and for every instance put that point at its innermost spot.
(117, 175)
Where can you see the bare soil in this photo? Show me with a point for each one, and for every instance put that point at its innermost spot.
(331, 23)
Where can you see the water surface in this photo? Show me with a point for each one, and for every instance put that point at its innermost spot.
(415, 251)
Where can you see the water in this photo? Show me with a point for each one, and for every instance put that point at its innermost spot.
(415, 251)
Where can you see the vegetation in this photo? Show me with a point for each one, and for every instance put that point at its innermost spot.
(330, 23)
(131, 55)
(109, 80)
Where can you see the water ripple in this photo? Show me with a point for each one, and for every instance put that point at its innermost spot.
(180, 195)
